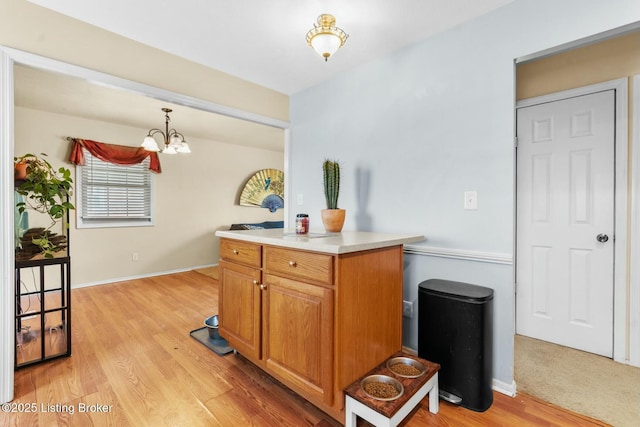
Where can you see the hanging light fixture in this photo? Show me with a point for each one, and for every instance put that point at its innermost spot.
(173, 140)
(325, 38)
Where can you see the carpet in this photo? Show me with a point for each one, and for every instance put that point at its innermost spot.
(582, 382)
(220, 346)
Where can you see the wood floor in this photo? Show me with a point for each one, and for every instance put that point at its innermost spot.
(135, 362)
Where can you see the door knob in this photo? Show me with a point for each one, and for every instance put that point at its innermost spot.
(602, 238)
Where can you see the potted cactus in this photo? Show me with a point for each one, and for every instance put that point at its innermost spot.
(332, 217)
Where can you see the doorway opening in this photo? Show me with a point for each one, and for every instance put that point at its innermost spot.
(566, 71)
(603, 62)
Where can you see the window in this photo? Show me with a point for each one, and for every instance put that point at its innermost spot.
(110, 195)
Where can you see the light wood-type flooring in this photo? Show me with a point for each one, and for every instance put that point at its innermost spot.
(135, 362)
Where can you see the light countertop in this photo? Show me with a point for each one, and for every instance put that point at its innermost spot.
(332, 243)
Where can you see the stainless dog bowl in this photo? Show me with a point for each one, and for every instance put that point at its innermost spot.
(212, 326)
(384, 379)
(406, 361)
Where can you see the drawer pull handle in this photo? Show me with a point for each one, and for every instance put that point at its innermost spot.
(292, 263)
(235, 251)
(263, 287)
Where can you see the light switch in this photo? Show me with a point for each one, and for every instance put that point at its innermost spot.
(471, 200)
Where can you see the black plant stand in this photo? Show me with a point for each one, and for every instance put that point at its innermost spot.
(43, 305)
(43, 314)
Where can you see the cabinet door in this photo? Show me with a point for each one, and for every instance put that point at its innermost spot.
(239, 303)
(298, 336)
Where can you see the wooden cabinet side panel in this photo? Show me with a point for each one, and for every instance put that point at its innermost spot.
(240, 308)
(298, 335)
(368, 313)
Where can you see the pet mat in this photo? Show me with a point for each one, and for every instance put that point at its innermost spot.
(220, 347)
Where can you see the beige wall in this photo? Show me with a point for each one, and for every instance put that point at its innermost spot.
(608, 60)
(195, 194)
(34, 29)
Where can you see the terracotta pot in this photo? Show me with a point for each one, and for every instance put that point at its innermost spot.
(333, 219)
(19, 171)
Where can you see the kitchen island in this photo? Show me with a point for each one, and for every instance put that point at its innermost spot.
(317, 311)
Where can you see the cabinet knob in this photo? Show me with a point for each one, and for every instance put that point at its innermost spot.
(292, 263)
(235, 252)
(263, 287)
(255, 282)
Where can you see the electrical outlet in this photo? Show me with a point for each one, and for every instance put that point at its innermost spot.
(407, 309)
(135, 257)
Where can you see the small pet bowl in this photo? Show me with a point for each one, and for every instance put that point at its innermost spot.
(403, 367)
(212, 326)
(382, 387)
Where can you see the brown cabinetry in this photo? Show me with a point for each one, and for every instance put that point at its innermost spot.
(315, 321)
(240, 305)
(297, 335)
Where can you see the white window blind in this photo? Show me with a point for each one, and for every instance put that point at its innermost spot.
(113, 195)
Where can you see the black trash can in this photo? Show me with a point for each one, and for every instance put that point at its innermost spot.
(455, 329)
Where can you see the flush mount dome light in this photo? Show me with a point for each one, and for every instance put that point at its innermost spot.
(325, 38)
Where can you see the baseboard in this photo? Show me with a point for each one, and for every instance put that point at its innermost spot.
(497, 385)
(139, 276)
(504, 388)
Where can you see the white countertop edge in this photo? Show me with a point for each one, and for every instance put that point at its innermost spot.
(332, 243)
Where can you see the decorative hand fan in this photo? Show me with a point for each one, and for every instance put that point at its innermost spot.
(265, 189)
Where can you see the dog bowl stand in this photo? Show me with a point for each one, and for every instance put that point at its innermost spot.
(391, 413)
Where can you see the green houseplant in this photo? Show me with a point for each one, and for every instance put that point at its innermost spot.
(45, 190)
(332, 217)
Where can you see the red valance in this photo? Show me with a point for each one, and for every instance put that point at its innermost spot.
(117, 154)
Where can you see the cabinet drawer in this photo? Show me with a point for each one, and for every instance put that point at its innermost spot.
(306, 265)
(241, 252)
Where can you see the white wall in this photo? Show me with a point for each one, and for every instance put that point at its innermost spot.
(415, 129)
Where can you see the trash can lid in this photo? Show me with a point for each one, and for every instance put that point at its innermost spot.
(459, 290)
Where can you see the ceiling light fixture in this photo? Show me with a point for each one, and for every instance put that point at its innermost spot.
(173, 140)
(325, 38)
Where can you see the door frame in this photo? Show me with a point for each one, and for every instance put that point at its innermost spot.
(634, 269)
(621, 308)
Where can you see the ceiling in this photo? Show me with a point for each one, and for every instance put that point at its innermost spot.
(55, 93)
(256, 40)
(264, 41)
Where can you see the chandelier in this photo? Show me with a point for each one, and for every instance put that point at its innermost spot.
(173, 140)
(325, 38)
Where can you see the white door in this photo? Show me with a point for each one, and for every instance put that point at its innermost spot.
(565, 222)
